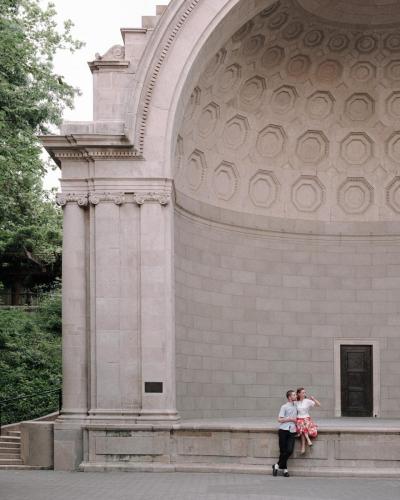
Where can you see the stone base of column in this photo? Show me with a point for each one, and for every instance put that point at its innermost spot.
(132, 416)
(69, 436)
(68, 441)
(72, 414)
(157, 415)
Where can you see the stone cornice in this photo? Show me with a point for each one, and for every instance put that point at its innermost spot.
(136, 31)
(89, 147)
(98, 65)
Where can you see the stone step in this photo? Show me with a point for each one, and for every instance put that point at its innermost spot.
(14, 433)
(10, 439)
(9, 456)
(10, 446)
(10, 449)
(23, 467)
(11, 461)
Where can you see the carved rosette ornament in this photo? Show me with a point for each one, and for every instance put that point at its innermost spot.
(80, 198)
(96, 198)
(161, 197)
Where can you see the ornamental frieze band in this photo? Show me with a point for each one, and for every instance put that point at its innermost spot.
(94, 198)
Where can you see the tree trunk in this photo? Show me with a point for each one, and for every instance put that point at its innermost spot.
(16, 293)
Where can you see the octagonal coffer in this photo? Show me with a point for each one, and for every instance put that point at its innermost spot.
(393, 105)
(208, 119)
(359, 107)
(230, 77)
(312, 147)
(195, 170)
(393, 194)
(393, 147)
(252, 90)
(356, 148)
(284, 99)
(355, 195)
(271, 141)
(225, 181)
(235, 132)
(308, 193)
(263, 189)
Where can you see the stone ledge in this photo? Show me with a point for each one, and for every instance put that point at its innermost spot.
(236, 446)
(24, 467)
(353, 426)
(237, 469)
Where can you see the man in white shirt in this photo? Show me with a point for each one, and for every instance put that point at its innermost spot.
(287, 432)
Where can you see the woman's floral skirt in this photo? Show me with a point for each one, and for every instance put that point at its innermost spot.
(306, 426)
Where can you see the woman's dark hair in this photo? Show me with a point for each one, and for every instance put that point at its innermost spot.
(298, 391)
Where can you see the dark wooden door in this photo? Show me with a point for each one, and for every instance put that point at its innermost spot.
(356, 380)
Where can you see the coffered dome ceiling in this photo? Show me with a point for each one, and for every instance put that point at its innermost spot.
(366, 12)
(299, 118)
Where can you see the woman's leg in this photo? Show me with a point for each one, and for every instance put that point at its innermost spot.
(303, 444)
(308, 439)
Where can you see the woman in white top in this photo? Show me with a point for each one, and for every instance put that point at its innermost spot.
(305, 427)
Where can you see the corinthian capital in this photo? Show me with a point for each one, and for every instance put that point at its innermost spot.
(161, 197)
(80, 198)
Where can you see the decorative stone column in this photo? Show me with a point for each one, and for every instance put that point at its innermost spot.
(74, 297)
(157, 311)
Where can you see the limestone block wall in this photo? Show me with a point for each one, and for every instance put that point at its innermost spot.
(258, 313)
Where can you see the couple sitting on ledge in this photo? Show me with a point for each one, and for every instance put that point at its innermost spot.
(295, 421)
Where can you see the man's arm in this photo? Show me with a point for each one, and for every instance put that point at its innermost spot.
(282, 419)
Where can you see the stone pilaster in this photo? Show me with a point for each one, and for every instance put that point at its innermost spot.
(74, 297)
(157, 312)
(115, 343)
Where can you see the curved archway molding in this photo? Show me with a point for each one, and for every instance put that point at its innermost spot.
(188, 35)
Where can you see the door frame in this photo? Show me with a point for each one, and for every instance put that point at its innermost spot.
(376, 373)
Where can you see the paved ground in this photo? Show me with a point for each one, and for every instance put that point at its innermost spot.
(49, 485)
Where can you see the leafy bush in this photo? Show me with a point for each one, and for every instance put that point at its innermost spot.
(49, 313)
(30, 361)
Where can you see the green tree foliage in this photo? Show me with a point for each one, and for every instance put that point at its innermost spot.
(30, 360)
(49, 312)
(30, 249)
(32, 98)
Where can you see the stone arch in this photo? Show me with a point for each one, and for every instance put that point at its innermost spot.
(186, 36)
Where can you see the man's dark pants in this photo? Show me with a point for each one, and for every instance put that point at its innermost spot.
(286, 446)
